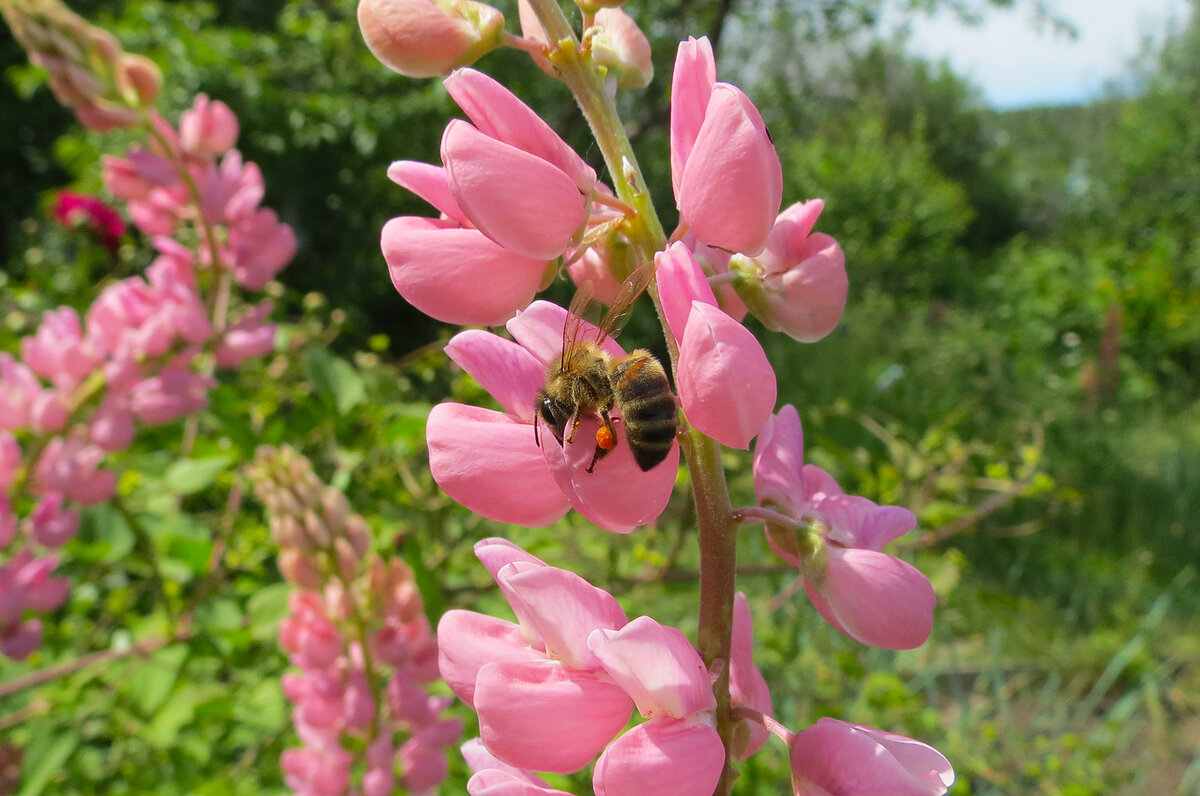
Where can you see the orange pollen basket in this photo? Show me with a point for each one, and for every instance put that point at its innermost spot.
(605, 439)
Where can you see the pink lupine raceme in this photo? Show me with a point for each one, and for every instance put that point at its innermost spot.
(677, 752)
(58, 352)
(51, 525)
(489, 461)
(308, 635)
(836, 758)
(798, 284)
(726, 385)
(426, 38)
(872, 597)
(515, 179)
(543, 701)
(726, 174)
(70, 467)
(437, 265)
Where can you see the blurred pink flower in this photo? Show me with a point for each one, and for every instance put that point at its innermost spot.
(726, 385)
(874, 598)
(726, 174)
(836, 758)
(209, 128)
(81, 211)
(544, 702)
(489, 461)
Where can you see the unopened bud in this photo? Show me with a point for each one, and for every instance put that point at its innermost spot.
(317, 531)
(619, 45)
(347, 559)
(139, 80)
(104, 44)
(428, 38)
(298, 568)
(358, 533)
(335, 508)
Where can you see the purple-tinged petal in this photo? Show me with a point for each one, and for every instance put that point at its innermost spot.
(658, 667)
(779, 462)
(875, 599)
(662, 757)
(506, 370)
(726, 385)
(468, 641)
(848, 759)
(519, 200)
(541, 716)
(438, 268)
(747, 686)
(732, 183)
(489, 463)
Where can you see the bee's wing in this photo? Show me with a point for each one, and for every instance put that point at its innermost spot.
(575, 321)
(618, 313)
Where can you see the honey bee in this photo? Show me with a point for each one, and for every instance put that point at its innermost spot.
(588, 381)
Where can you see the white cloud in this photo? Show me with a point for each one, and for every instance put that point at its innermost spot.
(1017, 65)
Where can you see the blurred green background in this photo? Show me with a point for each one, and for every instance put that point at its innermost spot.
(1019, 363)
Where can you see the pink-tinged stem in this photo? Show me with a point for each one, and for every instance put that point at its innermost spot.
(715, 522)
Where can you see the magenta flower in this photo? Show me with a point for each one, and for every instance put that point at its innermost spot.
(80, 211)
(437, 265)
(726, 385)
(868, 595)
(490, 462)
(836, 758)
(677, 752)
(726, 174)
(515, 179)
(798, 284)
(543, 699)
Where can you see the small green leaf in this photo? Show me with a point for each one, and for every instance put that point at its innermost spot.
(267, 608)
(150, 683)
(338, 378)
(44, 758)
(189, 476)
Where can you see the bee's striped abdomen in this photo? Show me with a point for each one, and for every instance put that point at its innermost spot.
(647, 407)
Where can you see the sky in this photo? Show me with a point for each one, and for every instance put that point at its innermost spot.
(1017, 66)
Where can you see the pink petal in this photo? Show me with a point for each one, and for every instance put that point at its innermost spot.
(819, 483)
(859, 522)
(850, 759)
(875, 599)
(539, 328)
(468, 641)
(662, 757)
(541, 716)
(726, 385)
(492, 782)
(732, 183)
(691, 86)
(807, 299)
(520, 201)
(779, 462)
(789, 235)
(617, 495)
(495, 552)
(658, 667)
(680, 282)
(562, 609)
(489, 463)
(506, 370)
(479, 759)
(430, 183)
(498, 113)
(438, 268)
(747, 686)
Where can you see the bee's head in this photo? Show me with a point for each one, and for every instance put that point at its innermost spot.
(554, 413)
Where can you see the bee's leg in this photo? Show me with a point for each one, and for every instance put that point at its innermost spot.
(574, 423)
(537, 439)
(606, 439)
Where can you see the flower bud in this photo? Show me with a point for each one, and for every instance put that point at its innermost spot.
(427, 38)
(619, 45)
(139, 80)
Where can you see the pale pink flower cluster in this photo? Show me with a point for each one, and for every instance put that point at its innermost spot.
(375, 696)
(194, 174)
(556, 689)
(83, 384)
(89, 73)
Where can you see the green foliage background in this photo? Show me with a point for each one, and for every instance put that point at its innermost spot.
(1056, 477)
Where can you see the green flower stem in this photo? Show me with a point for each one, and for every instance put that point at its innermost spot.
(717, 528)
